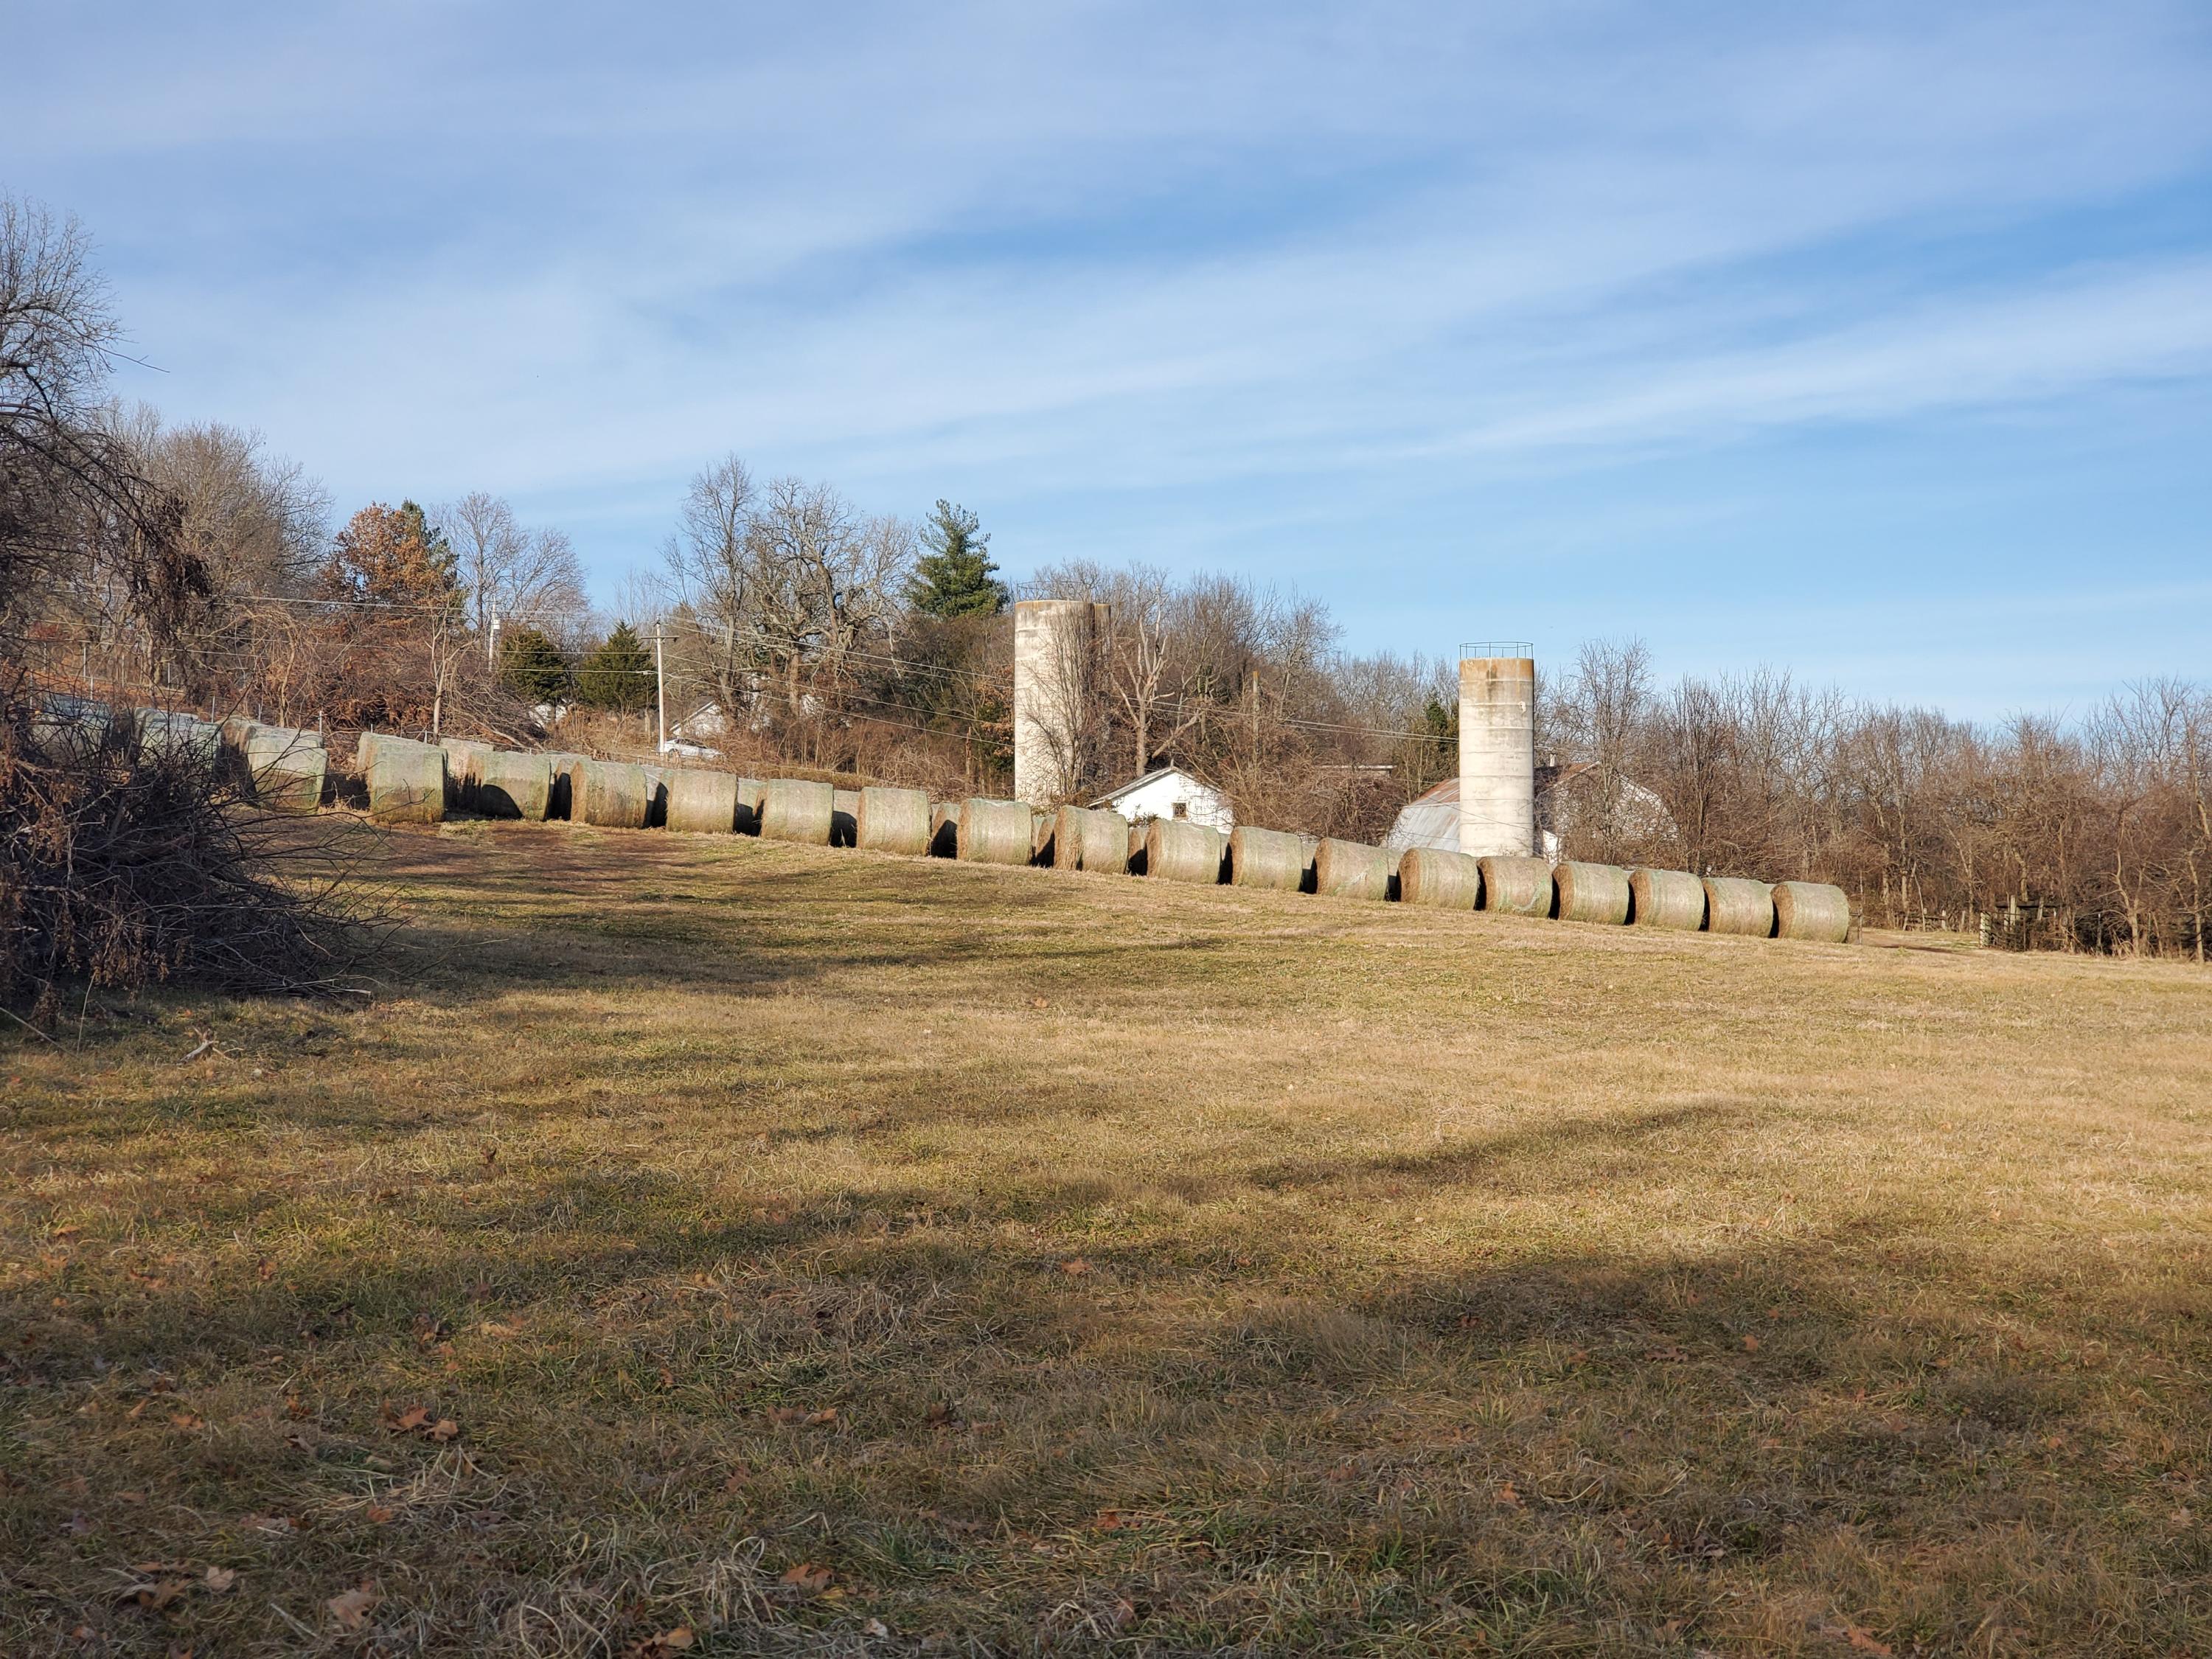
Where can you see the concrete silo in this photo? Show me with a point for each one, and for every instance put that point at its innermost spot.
(1056, 647)
(1497, 750)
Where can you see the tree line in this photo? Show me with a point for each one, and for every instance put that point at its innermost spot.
(187, 564)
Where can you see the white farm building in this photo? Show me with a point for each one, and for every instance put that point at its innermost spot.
(1169, 792)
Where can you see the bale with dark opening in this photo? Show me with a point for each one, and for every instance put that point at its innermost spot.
(794, 809)
(465, 760)
(407, 783)
(1666, 899)
(1734, 905)
(844, 817)
(656, 795)
(702, 802)
(752, 795)
(1591, 892)
(1440, 880)
(1175, 849)
(893, 821)
(995, 831)
(1811, 909)
(1044, 822)
(1273, 860)
(943, 829)
(1352, 869)
(565, 800)
(615, 795)
(1514, 886)
(513, 786)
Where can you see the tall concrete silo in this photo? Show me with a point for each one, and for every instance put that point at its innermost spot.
(1497, 750)
(1056, 646)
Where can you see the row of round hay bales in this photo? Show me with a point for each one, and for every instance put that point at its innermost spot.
(415, 782)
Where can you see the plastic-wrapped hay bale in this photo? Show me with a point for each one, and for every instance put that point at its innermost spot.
(287, 768)
(893, 821)
(1175, 849)
(752, 794)
(613, 795)
(407, 782)
(844, 817)
(995, 831)
(515, 786)
(1591, 892)
(1737, 906)
(702, 802)
(1350, 869)
(1811, 909)
(1442, 880)
(1516, 886)
(945, 829)
(794, 810)
(1666, 899)
(567, 801)
(1090, 838)
(1270, 859)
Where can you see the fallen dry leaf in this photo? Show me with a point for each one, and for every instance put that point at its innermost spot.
(220, 1579)
(443, 1430)
(407, 1422)
(808, 1578)
(1077, 1268)
(379, 1515)
(186, 1421)
(1750, 1344)
(352, 1608)
(678, 1640)
(154, 1596)
(1507, 1496)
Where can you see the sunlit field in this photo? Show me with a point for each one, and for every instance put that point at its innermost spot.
(703, 1246)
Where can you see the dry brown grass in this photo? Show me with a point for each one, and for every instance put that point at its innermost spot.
(1187, 1271)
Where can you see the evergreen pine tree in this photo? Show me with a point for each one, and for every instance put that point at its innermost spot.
(532, 666)
(618, 674)
(955, 577)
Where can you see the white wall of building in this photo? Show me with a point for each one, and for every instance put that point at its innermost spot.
(1171, 793)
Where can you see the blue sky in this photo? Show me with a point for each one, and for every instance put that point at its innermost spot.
(1871, 341)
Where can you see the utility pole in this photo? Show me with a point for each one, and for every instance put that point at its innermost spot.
(660, 683)
(491, 645)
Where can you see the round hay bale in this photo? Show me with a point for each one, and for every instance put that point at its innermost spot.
(1666, 899)
(1352, 869)
(515, 786)
(945, 829)
(1440, 880)
(407, 783)
(1042, 821)
(567, 801)
(1089, 838)
(893, 821)
(1133, 859)
(464, 759)
(615, 795)
(1591, 892)
(752, 792)
(1516, 886)
(286, 768)
(1811, 909)
(995, 831)
(1734, 905)
(702, 802)
(792, 809)
(844, 817)
(1177, 849)
(1272, 859)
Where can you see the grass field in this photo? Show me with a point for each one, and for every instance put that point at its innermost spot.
(706, 1246)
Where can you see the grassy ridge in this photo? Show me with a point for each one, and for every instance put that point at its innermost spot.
(1064, 1263)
